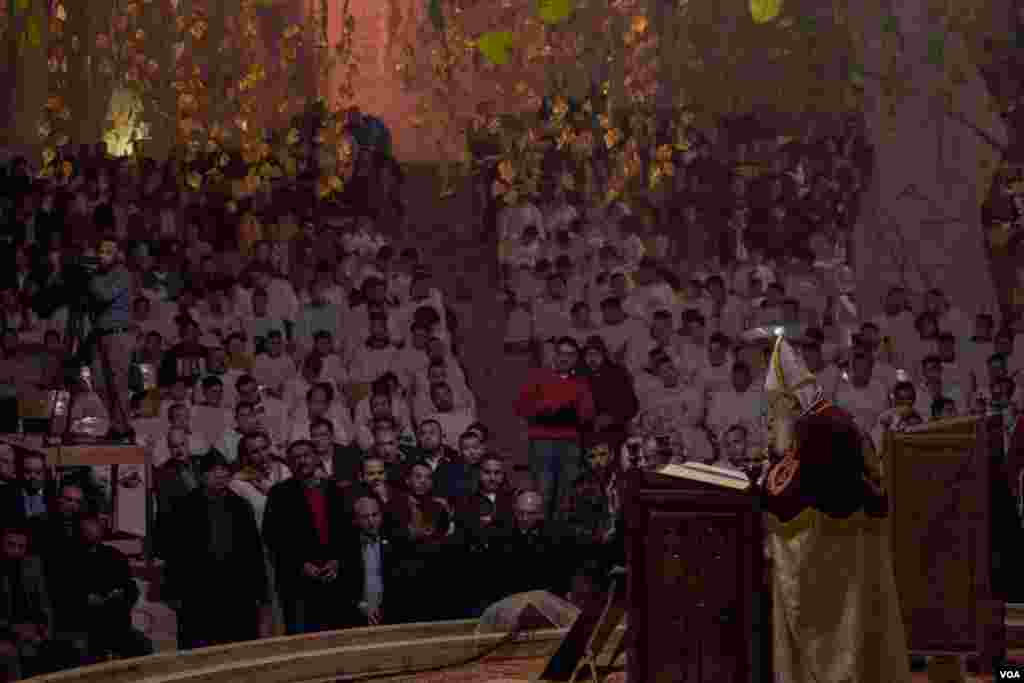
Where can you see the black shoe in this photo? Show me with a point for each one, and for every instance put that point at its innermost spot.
(126, 437)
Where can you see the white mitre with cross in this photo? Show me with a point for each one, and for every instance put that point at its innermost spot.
(788, 376)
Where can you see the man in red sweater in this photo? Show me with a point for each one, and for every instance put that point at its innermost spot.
(557, 406)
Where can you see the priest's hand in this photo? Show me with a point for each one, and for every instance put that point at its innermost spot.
(311, 571)
(330, 571)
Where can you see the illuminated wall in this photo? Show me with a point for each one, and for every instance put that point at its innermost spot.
(378, 90)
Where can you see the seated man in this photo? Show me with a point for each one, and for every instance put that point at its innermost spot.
(460, 477)
(424, 517)
(737, 452)
(26, 616)
(431, 446)
(338, 461)
(675, 411)
(452, 421)
(382, 402)
(97, 604)
(538, 554)
(740, 403)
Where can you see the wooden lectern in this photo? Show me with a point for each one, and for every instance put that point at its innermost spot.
(696, 581)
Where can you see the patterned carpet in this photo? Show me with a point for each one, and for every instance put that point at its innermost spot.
(526, 671)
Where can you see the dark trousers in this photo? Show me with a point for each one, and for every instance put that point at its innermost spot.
(311, 608)
(211, 620)
(9, 415)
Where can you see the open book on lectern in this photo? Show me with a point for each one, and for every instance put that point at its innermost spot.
(708, 474)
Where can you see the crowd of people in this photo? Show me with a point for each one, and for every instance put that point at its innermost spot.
(313, 437)
(318, 461)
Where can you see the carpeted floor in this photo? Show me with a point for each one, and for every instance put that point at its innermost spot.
(526, 671)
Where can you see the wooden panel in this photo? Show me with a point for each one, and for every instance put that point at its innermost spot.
(939, 487)
(696, 564)
(90, 455)
(335, 655)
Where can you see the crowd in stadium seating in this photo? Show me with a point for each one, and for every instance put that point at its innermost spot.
(318, 462)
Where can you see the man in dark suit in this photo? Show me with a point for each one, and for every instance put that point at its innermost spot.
(56, 530)
(492, 504)
(537, 554)
(483, 520)
(174, 480)
(303, 527)
(343, 460)
(95, 606)
(27, 499)
(215, 573)
(26, 615)
(373, 578)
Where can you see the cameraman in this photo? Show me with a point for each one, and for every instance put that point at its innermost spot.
(111, 288)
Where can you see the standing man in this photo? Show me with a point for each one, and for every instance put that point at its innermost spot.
(556, 405)
(111, 290)
(302, 528)
(215, 575)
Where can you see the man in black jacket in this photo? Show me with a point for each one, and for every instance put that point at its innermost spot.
(375, 573)
(303, 527)
(96, 605)
(215, 574)
(538, 554)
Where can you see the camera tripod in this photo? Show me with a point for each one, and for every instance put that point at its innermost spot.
(77, 353)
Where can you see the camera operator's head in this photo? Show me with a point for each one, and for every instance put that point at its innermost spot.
(107, 249)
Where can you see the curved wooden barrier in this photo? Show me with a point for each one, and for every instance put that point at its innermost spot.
(321, 657)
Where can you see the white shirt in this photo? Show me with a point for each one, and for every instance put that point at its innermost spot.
(551, 318)
(514, 219)
(865, 404)
(282, 303)
(211, 423)
(453, 424)
(344, 431)
(256, 497)
(715, 378)
(368, 364)
(273, 372)
(644, 301)
(727, 408)
(559, 217)
(616, 337)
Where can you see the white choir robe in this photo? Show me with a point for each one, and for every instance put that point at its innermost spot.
(238, 485)
(618, 338)
(368, 364)
(551, 318)
(399, 410)
(211, 423)
(300, 423)
(675, 412)
(865, 403)
(274, 373)
(727, 408)
(453, 424)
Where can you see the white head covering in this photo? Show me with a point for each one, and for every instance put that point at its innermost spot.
(788, 376)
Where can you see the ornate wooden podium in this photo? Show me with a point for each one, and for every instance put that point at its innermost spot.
(941, 483)
(696, 582)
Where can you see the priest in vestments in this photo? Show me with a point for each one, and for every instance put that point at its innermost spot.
(836, 614)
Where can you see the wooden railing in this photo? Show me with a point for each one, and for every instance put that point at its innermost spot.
(330, 656)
